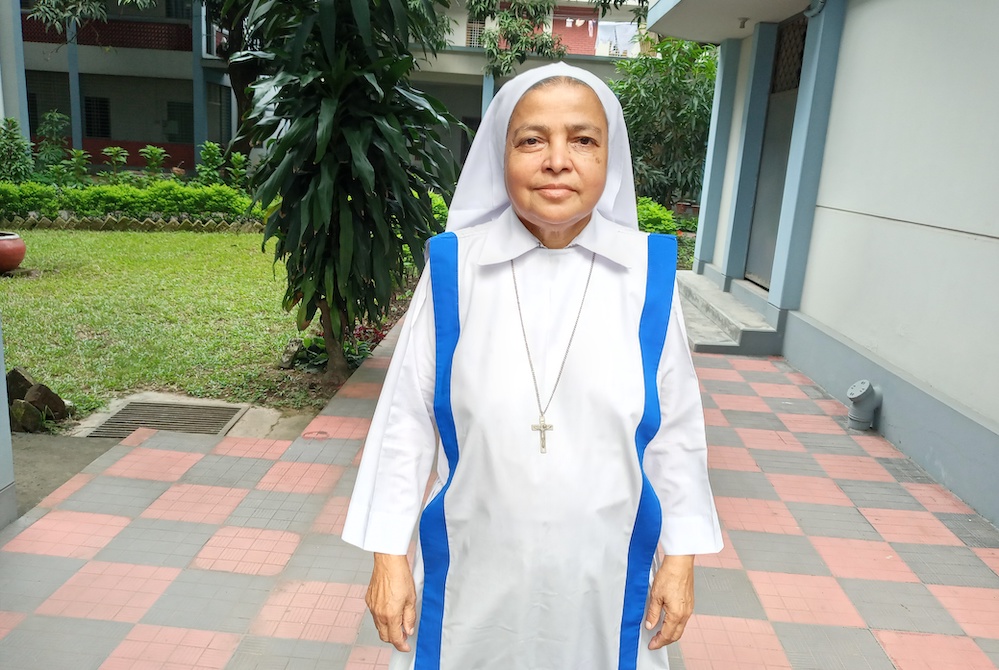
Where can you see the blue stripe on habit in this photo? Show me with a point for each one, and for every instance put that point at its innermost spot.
(648, 521)
(433, 532)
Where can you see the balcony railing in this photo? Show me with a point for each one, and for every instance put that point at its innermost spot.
(121, 33)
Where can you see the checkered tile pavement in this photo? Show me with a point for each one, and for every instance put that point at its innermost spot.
(176, 551)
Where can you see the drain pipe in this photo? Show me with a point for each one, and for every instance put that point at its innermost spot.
(866, 399)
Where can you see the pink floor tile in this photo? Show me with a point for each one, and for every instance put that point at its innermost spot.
(806, 599)
(312, 611)
(9, 621)
(330, 519)
(807, 423)
(164, 648)
(877, 446)
(840, 466)
(368, 390)
(922, 651)
(937, 499)
(976, 609)
(727, 558)
(754, 364)
(356, 461)
(805, 489)
(772, 440)
(762, 516)
(731, 458)
(799, 379)
(68, 534)
(301, 478)
(832, 407)
(156, 464)
(380, 362)
(110, 592)
(990, 557)
(728, 643)
(896, 525)
(863, 559)
(248, 551)
(137, 437)
(714, 417)
(337, 427)
(369, 658)
(196, 503)
(719, 374)
(250, 447)
(75, 483)
(778, 391)
(747, 403)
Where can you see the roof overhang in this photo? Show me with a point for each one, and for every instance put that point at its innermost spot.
(717, 20)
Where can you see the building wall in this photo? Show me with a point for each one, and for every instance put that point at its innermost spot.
(904, 249)
(138, 106)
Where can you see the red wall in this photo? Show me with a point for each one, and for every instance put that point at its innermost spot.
(179, 153)
(577, 39)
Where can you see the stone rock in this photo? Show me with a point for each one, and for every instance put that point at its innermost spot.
(27, 416)
(46, 401)
(18, 383)
(70, 408)
(15, 425)
(290, 354)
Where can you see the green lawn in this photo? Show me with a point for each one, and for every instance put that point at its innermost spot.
(113, 313)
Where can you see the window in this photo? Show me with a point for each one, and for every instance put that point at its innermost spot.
(33, 112)
(473, 33)
(178, 9)
(180, 122)
(96, 117)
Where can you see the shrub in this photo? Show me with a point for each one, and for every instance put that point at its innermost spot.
(654, 218)
(52, 140)
(16, 163)
(440, 208)
(155, 157)
(237, 170)
(212, 161)
(75, 169)
(41, 198)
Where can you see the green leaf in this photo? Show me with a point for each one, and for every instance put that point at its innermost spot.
(327, 28)
(362, 17)
(327, 113)
(362, 166)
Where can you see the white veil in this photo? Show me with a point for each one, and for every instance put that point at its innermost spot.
(481, 196)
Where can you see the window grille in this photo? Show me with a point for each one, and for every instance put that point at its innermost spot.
(473, 33)
(180, 122)
(97, 117)
(33, 112)
(178, 9)
(790, 52)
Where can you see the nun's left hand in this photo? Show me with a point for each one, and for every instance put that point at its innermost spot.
(673, 594)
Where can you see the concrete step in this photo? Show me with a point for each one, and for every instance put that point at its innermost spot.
(738, 329)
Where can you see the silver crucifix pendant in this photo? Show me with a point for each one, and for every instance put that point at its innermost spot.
(542, 428)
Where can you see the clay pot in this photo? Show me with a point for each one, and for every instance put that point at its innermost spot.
(12, 250)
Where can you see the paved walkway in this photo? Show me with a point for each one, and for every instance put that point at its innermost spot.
(177, 551)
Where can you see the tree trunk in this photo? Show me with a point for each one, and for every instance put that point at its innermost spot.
(337, 367)
(241, 75)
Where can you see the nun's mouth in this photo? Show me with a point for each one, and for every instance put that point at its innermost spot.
(556, 191)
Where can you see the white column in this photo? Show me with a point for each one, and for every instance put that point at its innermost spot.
(13, 92)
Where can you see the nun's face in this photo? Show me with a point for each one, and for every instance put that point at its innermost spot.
(556, 159)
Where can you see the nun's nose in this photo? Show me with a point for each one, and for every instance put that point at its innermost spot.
(558, 157)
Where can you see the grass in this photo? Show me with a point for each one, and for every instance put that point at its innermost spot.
(685, 252)
(116, 312)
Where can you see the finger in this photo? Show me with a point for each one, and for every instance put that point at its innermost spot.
(409, 618)
(653, 613)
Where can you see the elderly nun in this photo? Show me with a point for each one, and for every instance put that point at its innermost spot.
(542, 373)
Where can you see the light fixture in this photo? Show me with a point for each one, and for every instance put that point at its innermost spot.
(742, 21)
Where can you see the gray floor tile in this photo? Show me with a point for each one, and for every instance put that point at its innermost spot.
(27, 580)
(328, 452)
(787, 463)
(53, 643)
(211, 600)
(707, 402)
(817, 443)
(355, 407)
(722, 387)
(720, 362)
(228, 471)
(190, 442)
(770, 552)
(765, 377)
(327, 558)
(951, 566)
(899, 606)
(345, 485)
(811, 647)
(738, 418)
(267, 653)
(833, 521)
(814, 392)
(794, 406)
(879, 495)
(115, 495)
(369, 374)
(990, 647)
(905, 471)
(972, 529)
(277, 510)
(367, 634)
(675, 657)
(724, 592)
(723, 436)
(171, 544)
(738, 484)
(106, 460)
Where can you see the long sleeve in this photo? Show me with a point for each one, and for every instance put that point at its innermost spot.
(400, 446)
(676, 461)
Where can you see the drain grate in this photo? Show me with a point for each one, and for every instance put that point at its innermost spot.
(176, 417)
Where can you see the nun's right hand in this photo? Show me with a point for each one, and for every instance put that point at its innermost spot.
(391, 598)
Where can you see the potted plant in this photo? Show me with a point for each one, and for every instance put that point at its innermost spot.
(12, 251)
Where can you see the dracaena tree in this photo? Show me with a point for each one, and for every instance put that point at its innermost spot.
(350, 152)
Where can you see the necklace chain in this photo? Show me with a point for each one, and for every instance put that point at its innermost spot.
(541, 426)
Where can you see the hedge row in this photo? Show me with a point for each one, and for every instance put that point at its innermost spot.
(164, 198)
